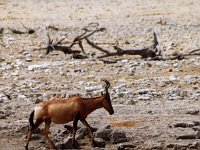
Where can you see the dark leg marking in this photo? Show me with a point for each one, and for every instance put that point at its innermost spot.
(37, 124)
(75, 121)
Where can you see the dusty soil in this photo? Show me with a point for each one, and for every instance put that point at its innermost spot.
(148, 117)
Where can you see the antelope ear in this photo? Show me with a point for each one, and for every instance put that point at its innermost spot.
(101, 93)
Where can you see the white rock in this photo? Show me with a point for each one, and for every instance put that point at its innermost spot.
(28, 59)
(176, 65)
(3, 98)
(19, 62)
(144, 91)
(16, 73)
(173, 78)
(92, 88)
(144, 98)
(21, 97)
(8, 112)
(41, 66)
(124, 61)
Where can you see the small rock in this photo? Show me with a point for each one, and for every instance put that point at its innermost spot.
(193, 146)
(42, 141)
(1, 30)
(108, 61)
(36, 136)
(198, 135)
(124, 61)
(192, 112)
(81, 133)
(131, 102)
(2, 115)
(184, 93)
(79, 56)
(66, 144)
(118, 137)
(169, 145)
(8, 112)
(37, 100)
(189, 136)
(3, 98)
(28, 59)
(60, 135)
(46, 95)
(2, 59)
(143, 91)
(180, 147)
(173, 78)
(99, 142)
(23, 129)
(197, 145)
(104, 126)
(104, 134)
(79, 70)
(42, 66)
(196, 128)
(175, 65)
(92, 88)
(145, 98)
(21, 97)
(184, 125)
(126, 146)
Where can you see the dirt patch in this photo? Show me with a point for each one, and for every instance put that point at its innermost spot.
(125, 124)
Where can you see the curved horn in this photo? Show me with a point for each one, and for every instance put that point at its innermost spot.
(107, 84)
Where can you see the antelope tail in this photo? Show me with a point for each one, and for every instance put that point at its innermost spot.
(31, 119)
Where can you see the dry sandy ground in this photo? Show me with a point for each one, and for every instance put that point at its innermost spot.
(147, 123)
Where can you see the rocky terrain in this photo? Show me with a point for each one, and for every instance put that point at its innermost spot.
(156, 103)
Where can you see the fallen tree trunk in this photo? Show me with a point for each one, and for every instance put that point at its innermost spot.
(151, 51)
(144, 53)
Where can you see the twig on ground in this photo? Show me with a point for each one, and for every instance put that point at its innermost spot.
(29, 30)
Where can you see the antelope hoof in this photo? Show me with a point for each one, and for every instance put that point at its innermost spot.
(74, 145)
(26, 147)
(93, 129)
(54, 147)
(93, 144)
(51, 146)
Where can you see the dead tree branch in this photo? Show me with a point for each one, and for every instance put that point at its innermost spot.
(29, 30)
(152, 52)
(58, 47)
(193, 52)
(87, 33)
(143, 52)
(96, 46)
(16, 31)
(77, 41)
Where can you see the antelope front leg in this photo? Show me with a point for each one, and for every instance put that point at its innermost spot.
(46, 134)
(90, 129)
(74, 129)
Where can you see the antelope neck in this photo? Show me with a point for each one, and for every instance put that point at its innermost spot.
(92, 104)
